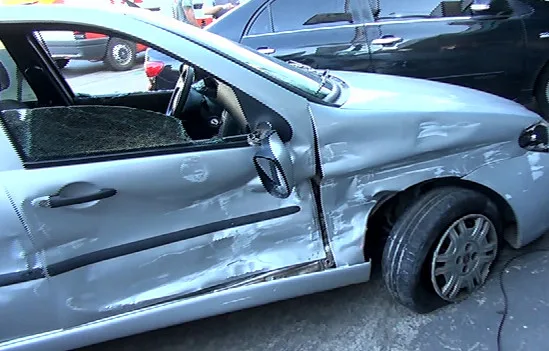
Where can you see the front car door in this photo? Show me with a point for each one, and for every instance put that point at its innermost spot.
(26, 304)
(129, 212)
(447, 41)
(321, 34)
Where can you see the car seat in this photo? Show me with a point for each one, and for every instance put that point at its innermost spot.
(7, 104)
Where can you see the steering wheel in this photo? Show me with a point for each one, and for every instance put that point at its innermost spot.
(181, 91)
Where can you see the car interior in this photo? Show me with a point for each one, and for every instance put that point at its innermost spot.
(203, 105)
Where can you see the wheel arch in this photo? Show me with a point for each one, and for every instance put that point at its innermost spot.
(393, 203)
(537, 78)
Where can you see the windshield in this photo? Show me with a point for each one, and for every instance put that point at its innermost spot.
(308, 82)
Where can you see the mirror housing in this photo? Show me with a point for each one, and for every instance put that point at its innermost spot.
(490, 7)
(481, 6)
(272, 161)
(535, 137)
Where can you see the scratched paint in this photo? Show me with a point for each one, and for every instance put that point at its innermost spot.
(400, 140)
(536, 168)
(388, 134)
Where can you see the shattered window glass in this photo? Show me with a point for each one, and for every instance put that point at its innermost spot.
(54, 133)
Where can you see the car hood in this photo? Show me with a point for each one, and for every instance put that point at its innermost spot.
(387, 92)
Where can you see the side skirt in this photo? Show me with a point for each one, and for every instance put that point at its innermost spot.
(203, 306)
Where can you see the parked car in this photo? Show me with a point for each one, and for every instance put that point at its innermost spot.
(117, 54)
(132, 212)
(498, 46)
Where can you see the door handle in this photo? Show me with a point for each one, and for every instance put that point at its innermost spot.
(54, 201)
(386, 41)
(266, 50)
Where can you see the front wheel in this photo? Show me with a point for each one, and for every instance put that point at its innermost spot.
(441, 248)
(120, 54)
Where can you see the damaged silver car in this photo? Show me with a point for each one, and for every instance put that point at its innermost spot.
(253, 181)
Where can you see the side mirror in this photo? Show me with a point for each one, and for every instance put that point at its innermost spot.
(535, 138)
(272, 161)
(480, 6)
(491, 7)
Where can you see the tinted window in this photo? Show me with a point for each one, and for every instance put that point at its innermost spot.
(261, 24)
(295, 15)
(55, 133)
(384, 9)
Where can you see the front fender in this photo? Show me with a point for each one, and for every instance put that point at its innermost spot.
(348, 199)
(367, 155)
(524, 182)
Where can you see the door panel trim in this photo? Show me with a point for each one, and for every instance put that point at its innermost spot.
(142, 245)
(232, 142)
(318, 29)
(368, 24)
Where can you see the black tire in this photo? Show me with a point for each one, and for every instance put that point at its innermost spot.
(407, 255)
(120, 55)
(61, 63)
(542, 93)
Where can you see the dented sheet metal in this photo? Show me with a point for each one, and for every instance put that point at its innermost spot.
(368, 155)
(17, 256)
(178, 224)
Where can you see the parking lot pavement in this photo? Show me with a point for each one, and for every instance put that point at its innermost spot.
(363, 317)
(95, 79)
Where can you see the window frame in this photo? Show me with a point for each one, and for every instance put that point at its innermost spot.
(434, 19)
(239, 141)
(354, 9)
(19, 78)
(38, 52)
(261, 10)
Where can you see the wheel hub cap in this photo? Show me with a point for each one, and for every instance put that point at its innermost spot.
(463, 257)
(121, 54)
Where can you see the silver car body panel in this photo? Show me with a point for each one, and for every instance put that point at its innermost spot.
(390, 134)
(159, 195)
(182, 311)
(521, 181)
(435, 131)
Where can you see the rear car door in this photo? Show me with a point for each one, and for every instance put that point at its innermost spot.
(447, 41)
(323, 34)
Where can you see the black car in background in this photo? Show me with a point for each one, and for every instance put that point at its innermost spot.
(498, 46)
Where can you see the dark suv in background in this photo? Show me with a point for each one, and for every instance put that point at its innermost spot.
(498, 46)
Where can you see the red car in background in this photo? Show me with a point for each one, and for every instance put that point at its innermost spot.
(117, 54)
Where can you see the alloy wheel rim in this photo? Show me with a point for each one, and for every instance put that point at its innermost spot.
(122, 54)
(463, 257)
